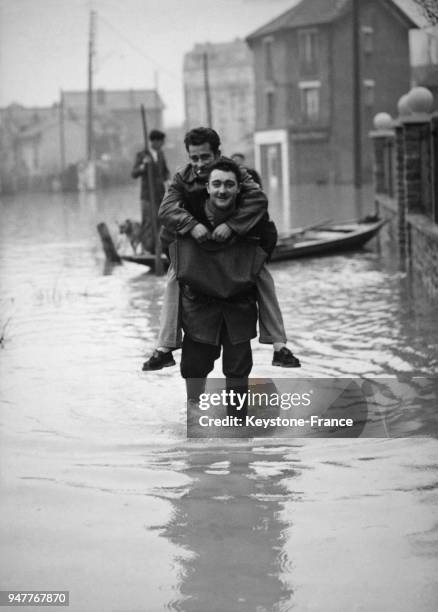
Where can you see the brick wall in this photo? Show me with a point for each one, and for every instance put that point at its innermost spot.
(412, 208)
(424, 252)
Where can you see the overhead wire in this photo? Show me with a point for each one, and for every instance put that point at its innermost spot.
(137, 49)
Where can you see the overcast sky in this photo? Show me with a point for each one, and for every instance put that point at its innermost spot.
(43, 43)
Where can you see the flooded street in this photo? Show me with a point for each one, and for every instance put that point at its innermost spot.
(103, 495)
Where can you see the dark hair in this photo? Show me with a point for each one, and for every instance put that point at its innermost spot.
(156, 135)
(201, 135)
(226, 165)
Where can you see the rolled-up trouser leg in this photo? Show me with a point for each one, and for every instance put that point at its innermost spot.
(197, 358)
(170, 329)
(271, 326)
(236, 366)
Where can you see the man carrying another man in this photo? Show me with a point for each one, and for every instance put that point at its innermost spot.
(187, 195)
(218, 307)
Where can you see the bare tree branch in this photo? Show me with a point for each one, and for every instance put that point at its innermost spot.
(429, 9)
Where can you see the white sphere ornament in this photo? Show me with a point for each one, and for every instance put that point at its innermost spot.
(382, 121)
(403, 106)
(420, 100)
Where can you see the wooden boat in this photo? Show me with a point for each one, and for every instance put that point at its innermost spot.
(325, 239)
(320, 239)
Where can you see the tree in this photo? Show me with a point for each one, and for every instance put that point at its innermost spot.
(429, 9)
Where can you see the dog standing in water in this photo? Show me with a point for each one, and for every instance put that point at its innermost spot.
(134, 233)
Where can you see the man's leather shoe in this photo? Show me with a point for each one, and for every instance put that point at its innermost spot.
(158, 360)
(285, 359)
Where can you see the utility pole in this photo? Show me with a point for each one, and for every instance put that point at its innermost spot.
(357, 104)
(91, 51)
(61, 131)
(207, 89)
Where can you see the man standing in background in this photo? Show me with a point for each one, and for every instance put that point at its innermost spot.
(160, 174)
(239, 158)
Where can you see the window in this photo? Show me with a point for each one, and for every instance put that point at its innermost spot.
(269, 64)
(367, 39)
(310, 100)
(369, 86)
(270, 108)
(308, 51)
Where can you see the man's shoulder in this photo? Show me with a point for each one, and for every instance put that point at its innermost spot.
(184, 171)
(184, 176)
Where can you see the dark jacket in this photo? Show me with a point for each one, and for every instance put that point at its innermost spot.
(255, 176)
(186, 196)
(202, 316)
(160, 173)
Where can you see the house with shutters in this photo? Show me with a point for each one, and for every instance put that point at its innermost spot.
(304, 90)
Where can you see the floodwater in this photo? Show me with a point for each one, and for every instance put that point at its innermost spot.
(103, 495)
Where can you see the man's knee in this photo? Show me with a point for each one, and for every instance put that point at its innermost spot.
(197, 359)
(237, 360)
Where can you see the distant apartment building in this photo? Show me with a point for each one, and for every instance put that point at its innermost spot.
(120, 110)
(22, 117)
(17, 155)
(231, 84)
(42, 150)
(304, 89)
(39, 143)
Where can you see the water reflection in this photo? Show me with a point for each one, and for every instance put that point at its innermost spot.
(229, 519)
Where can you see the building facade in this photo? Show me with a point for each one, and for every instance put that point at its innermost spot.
(304, 89)
(37, 144)
(120, 111)
(41, 147)
(424, 59)
(229, 69)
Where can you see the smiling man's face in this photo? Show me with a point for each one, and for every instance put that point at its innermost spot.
(201, 157)
(223, 188)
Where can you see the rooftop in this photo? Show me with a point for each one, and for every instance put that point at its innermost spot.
(116, 99)
(319, 12)
(230, 53)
